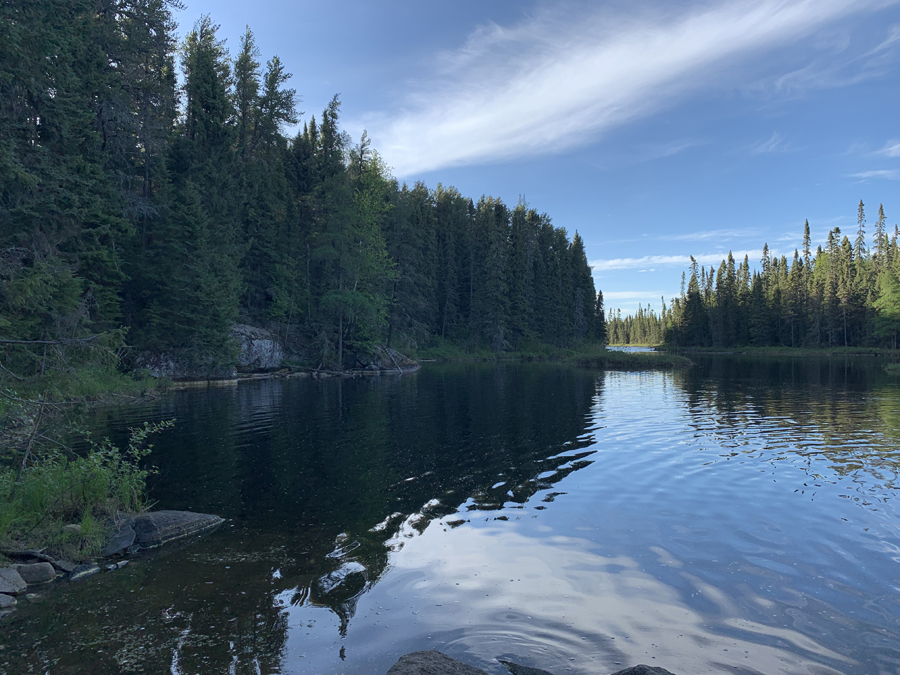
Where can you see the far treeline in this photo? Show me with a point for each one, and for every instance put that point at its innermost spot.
(845, 295)
(157, 211)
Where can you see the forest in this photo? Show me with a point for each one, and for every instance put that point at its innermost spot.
(846, 294)
(151, 197)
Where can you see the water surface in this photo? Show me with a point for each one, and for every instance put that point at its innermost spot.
(739, 517)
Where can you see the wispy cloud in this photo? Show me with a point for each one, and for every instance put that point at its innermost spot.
(669, 149)
(560, 79)
(671, 260)
(632, 295)
(889, 174)
(721, 235)
(777, 143)
(890, 149)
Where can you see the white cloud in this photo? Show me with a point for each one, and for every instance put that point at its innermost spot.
(632, 295)
(561, 78)
(673, 260)
(890, 174)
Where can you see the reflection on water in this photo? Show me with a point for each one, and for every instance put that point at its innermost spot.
(735, 518)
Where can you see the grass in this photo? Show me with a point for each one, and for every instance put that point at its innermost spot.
(893, 368)
(589, 355)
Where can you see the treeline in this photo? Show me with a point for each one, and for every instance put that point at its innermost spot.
(644, 327)
(162, 210)
(846, 294)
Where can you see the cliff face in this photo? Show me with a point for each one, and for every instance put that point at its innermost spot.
(260, 349)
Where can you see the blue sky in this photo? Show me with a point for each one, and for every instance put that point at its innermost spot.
(656, 129)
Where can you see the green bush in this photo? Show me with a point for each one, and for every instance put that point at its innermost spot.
(90, 490)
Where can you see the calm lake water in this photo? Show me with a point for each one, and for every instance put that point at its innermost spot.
(739, 517)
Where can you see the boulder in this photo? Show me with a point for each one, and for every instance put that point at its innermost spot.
(432, 663)
(82, 571)
(641, 669)
(11, 582)
(516, 669)
(119, 541)
(36, 573)
(7, 601)
(161, 527)
(260, 349)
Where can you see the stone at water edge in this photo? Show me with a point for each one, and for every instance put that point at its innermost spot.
(119, 541)
(160, 527)
(7, 601)
(36, 573)
(66, 566)
(641, 669)
(11, 582)
(432, 663)
(516, 669)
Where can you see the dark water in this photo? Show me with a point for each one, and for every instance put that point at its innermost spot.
(740, 518)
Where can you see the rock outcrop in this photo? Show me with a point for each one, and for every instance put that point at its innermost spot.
(260, 348)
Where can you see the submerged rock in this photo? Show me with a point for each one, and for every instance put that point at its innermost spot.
(82, 571)
(36, 573)
(432, 663)
(161, 527)
(516, 669)
(436, 663)
(11, 582)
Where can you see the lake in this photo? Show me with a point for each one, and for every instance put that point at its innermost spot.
(738, 517)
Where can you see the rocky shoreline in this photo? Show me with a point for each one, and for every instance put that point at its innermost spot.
(36, 569)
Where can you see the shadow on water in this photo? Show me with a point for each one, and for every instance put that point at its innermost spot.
(321, 482)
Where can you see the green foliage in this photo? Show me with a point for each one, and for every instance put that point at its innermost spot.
(88, 490)
(160, 225)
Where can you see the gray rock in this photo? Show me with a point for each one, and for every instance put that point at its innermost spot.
(431, 663)
(72, 527)
(82, 571)
(641, 669)
(181, 368)
(7, 601)
(66, 566)
(120, 541)
(260, 349)
(160, 527)
(36, 573)
(516, 669)
(11, 582)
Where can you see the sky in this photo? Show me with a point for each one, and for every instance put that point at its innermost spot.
(657, 130)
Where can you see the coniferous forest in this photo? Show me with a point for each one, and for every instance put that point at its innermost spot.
(846, 294)
(150, 194)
